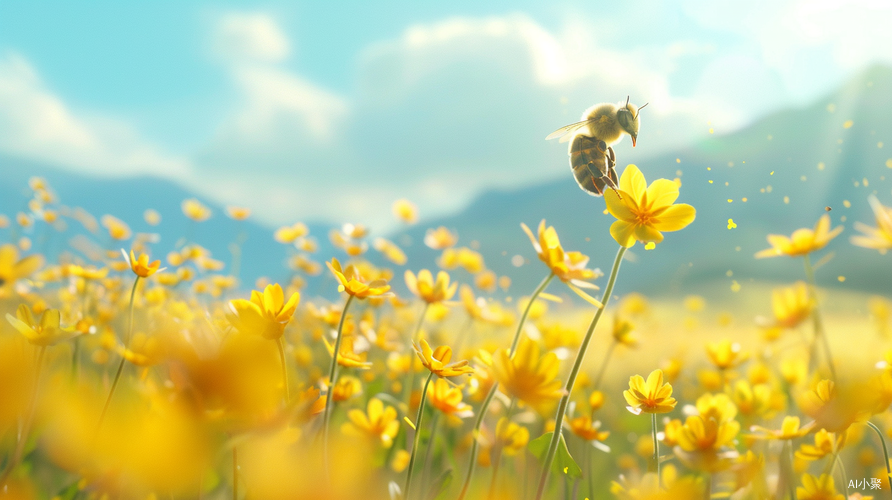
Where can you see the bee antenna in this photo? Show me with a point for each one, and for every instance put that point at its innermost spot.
(627, 100)
(639, 109)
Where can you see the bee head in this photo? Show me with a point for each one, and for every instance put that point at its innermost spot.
(627, 116)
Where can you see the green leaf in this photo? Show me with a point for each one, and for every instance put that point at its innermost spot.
(563, 463)
(438, 489)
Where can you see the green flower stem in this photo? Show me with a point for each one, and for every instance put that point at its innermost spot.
(417, 441)
(29, 419)
(407, 388)
(481, 413)
(653, 422)
(816, 317)
(571, 381)
(842, 471)
(234, 473)
(496, 452)
(121, 364)
(885, 453)
(420, 322)
(281, 344)
(332, 380)
(429, 454)
(587, 458)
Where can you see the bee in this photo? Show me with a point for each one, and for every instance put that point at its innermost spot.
(592, 158)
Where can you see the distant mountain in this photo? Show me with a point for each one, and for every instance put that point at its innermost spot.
(812, 155)
(127, 198)
(789, 166)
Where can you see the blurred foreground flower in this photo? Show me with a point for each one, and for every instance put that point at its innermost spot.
(529, 376)
(13, 269)
(46, 332)
(265, 314)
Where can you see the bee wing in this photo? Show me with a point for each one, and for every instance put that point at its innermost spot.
(566, 132)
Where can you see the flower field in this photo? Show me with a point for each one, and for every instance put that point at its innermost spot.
(133, 368)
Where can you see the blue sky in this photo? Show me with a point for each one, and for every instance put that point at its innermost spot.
(331, 110)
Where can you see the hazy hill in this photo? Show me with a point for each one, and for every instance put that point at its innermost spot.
(791, 143)
(127, 198)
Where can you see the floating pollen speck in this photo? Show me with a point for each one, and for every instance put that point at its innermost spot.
(735, 286)
(650, 245)
(846, 203)
(841, 278)
(848, 124)
(786, 200)
(731, 224)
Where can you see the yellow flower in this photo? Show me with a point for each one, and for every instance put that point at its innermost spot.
(427, 289)
(652, 396)
(699, 433)
(287, 234)
(195, 210)
(144, 350)
(266, 314)
(117, 229)
(87, 273)
(152, 217)
(751, 400)
(440, 238)
(437, 360)
(378, 422)
(13, 269)
(623, 332)
(475, 307)
(565, 265)
(347, 357)
(836, 409)
(585, 428)
(405, 211)
(528, 376)
(802, 242)
(596, 400)
(879, 238)
(818, 488)
(354, 284)
(790, 429)
(725, 354)
(48, 331)
(792, 305)
(718, 407)
(702, 443)
(644, 212)
(390, 251)
(238, 213)
(511, 437)
(825, 444)
(141, 266)
(346, 388)
(448, 399)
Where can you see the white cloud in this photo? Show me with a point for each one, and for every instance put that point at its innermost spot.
(450, 108)
(251, 37)
(438, 114)
(37, 124)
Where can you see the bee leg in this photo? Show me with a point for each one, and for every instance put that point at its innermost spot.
(611, 168)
